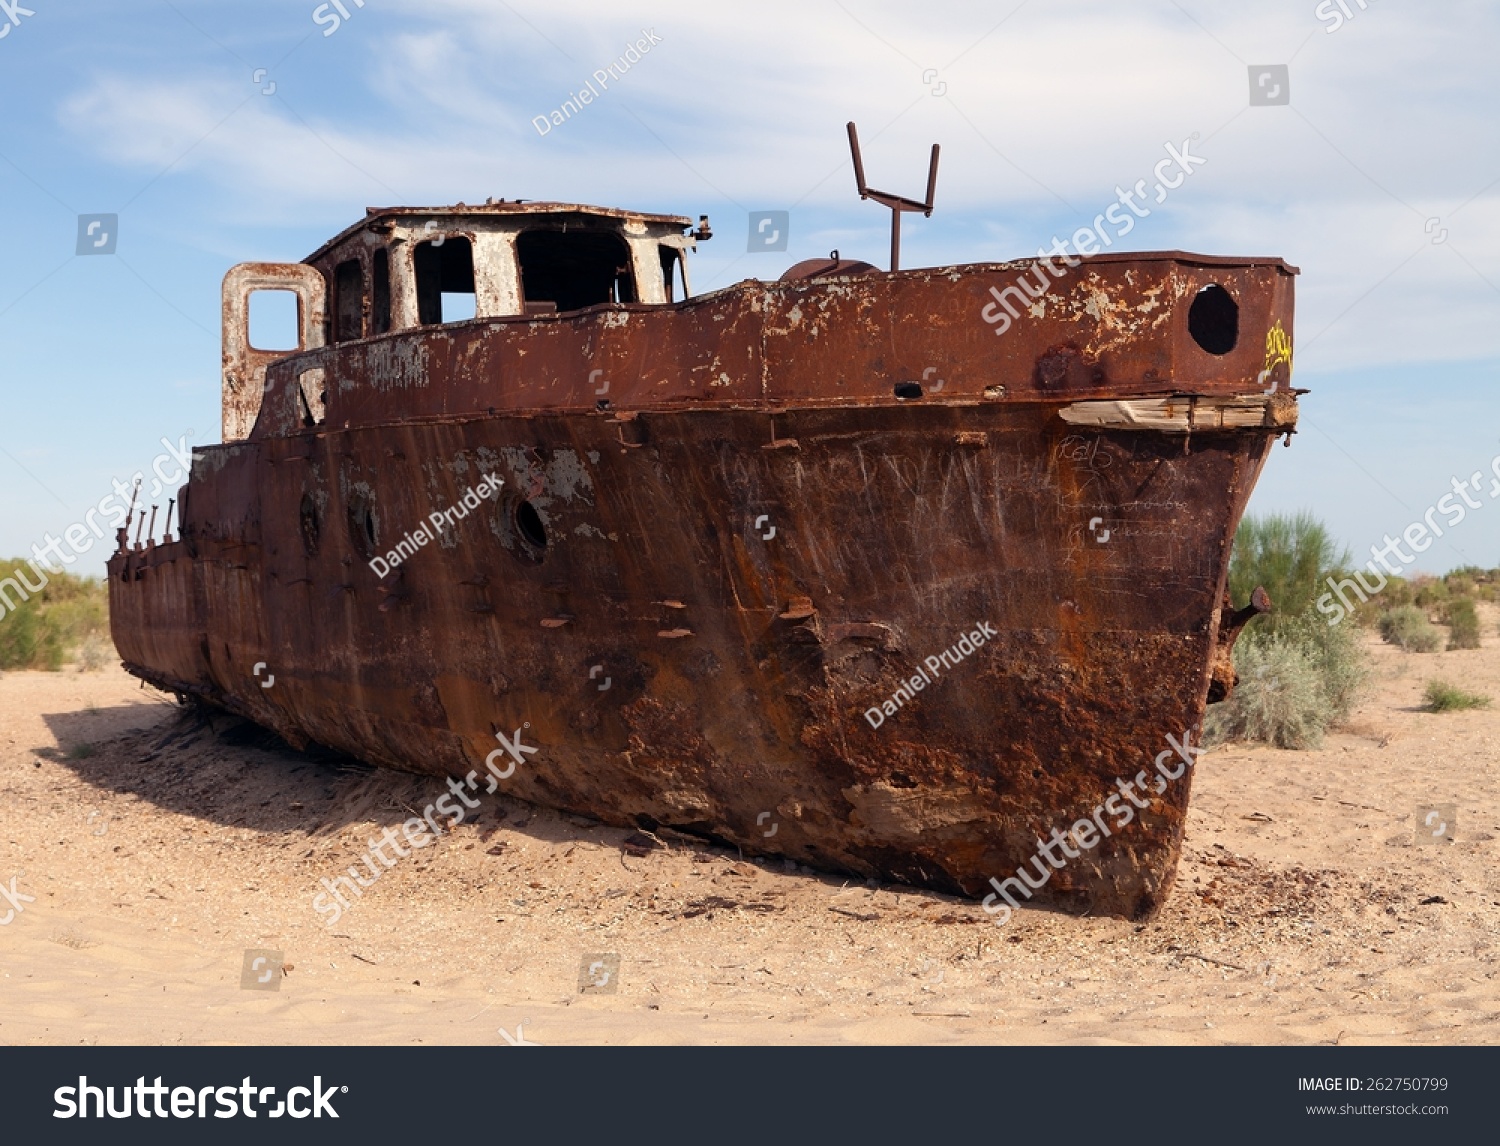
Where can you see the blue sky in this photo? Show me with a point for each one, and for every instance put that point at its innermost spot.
(1380, 179)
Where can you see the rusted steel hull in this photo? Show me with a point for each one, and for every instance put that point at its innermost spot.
(726, 588)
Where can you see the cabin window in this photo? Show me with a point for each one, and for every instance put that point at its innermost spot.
(380, 309)
(569, 270)
(445, 280)
(274, 324)
(459, 306)
(348, 301)
(671, 259)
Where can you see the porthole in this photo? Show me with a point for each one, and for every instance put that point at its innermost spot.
(529, 525)
(1214, 320)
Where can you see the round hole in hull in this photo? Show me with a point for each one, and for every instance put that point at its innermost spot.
(529, 525)
(1214, 320)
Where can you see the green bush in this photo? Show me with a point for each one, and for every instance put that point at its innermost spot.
(1299, 675)
(1340, 659)
(1463, 623)
(1430, 593)
(1408, 628)
(1444, 697)
(1289, 557)
(25, 642)
(1397, 592)
(1460, 584)
(42, 631)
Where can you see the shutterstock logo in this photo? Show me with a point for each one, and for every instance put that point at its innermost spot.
(11, 13)
(15, 898)
(231, 1101)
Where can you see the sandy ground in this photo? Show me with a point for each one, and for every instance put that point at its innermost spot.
(159, 850)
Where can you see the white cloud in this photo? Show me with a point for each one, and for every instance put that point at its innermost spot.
(746, 106)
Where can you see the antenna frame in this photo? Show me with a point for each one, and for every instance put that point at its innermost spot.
(897, 203)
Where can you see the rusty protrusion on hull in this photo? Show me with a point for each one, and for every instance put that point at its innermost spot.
(1221, 685)
(831, 267)
(756, 514)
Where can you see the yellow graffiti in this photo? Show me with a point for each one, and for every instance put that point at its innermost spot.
(1278, 350)
(1278, 346)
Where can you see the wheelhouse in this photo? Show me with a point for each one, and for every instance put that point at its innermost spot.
(406, 269)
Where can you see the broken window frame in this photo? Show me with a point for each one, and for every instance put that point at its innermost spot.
(348, 310)
(380, 291)
(622, 276)
(443, 274)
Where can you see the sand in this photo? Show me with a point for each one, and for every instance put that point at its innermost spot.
(159, 849)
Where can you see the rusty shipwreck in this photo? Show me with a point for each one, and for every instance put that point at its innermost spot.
(728, 527)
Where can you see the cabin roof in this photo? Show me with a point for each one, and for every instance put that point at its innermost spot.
(495, 207)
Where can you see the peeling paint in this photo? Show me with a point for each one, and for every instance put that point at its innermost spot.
(567, 475)
(393, 365)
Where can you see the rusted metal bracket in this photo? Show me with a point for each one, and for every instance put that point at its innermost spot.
(1260, 602)
(897, 203)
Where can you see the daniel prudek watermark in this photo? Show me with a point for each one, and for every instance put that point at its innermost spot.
(580, 99)
(948, 658)
(436, 520)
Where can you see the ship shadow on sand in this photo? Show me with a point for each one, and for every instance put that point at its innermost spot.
(219, 768)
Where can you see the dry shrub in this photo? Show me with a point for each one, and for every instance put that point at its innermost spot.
(1444, 697)
(1279, 700)
(1299, 676)
(1295, 684)
(1408, 628)
(94, 652)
